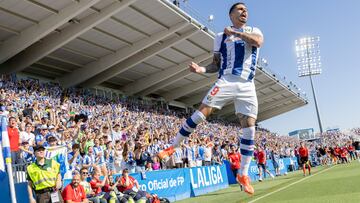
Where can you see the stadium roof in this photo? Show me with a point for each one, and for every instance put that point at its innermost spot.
(138, 47)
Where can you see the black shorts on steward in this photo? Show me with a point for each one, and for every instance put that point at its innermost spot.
(304, 160)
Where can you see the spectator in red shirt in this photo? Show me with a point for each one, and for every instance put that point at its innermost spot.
(127, 182)
(113, 195)
(261, 162)
(235, 159)
(351, 150)
(130, 186)
(337, 152)
(304, 158)
(14, 139)
(96, 184)
(74, 192)
(344, 153)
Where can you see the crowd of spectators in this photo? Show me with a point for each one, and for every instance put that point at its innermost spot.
(113, 134)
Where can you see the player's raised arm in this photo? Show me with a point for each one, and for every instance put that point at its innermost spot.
(211, 68)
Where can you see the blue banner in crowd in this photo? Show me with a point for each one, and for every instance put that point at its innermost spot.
(208, 179)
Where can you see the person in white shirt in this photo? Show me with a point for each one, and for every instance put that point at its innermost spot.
(178, 157)
(27, 135)
(116, 133)
(208, 154)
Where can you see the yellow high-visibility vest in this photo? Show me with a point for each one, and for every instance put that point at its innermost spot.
(44, 178)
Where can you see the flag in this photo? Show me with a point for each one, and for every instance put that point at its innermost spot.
(59, 154)
(4, 147)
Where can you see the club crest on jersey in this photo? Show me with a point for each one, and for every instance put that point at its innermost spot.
(248, 29)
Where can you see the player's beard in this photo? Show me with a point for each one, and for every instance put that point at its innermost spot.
(238, 17)
(243, 21)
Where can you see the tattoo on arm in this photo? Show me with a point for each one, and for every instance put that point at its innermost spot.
(215, 65)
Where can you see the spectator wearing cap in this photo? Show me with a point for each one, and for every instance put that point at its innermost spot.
(27, 135)
(43, 177)
(27, 153)
(14, 139)
(40, 139)
(74, 192)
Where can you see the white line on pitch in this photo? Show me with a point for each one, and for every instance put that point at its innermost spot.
(290, 184)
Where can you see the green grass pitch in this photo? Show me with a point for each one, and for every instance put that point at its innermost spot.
(338, 184)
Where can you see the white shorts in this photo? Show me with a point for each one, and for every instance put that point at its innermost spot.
(230, 88)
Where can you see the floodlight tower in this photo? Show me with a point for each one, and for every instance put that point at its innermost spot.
(309, 63)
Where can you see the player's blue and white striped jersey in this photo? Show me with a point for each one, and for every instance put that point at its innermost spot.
(237, 57)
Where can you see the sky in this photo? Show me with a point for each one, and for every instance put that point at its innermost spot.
(284, 21)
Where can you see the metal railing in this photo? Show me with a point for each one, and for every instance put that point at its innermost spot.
(198, 16)
(192, 14)
(19, 172)
(282, 79)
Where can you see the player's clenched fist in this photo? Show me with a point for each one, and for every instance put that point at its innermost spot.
(195, 68)
(229, 31)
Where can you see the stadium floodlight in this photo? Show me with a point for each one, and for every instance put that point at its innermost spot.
(211, 18)
(309, 63)
(308, 56)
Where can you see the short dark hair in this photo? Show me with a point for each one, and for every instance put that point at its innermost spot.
(12, 118)
(234, 5)
(83, 168)
(75, 146)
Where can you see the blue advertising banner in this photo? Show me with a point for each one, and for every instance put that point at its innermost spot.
(179, 183)
(172, 184)
(208, 179)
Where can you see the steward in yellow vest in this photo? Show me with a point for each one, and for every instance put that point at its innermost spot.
(44, 178)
